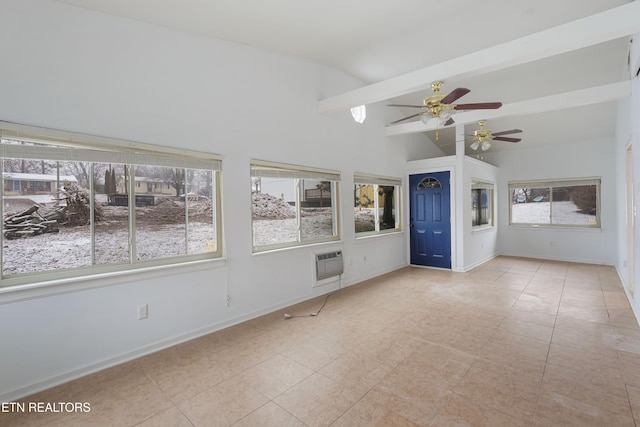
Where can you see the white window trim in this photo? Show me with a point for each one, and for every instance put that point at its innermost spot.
(105, 144)
(80, 283)
(597, 181)
(71, 146)
(480, 184)
(376, 180)
(267, 169)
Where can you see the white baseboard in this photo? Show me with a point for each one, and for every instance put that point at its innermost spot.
(478, 263)
(555, 258)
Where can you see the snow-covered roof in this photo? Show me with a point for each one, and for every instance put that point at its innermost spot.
(147, 179)
(37, 177)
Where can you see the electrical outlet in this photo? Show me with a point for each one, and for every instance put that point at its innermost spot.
(143, 311)
(228, 302)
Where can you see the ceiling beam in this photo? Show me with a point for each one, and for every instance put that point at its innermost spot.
(560, 101)
(611, 24)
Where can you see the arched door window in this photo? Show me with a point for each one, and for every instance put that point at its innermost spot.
(429, 183)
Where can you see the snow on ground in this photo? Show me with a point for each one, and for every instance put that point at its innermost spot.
(71, 247)
(538, 213)
(160, 233)
(273, 231)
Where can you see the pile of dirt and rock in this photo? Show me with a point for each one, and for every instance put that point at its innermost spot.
(201, 209)
(170, 210)
(168, 206)
(267, 206)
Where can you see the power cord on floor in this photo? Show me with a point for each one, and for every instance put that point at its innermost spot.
(289, 316)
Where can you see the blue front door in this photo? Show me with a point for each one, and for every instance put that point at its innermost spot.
(430, 219)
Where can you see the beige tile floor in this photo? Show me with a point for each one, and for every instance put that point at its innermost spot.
(515, 342)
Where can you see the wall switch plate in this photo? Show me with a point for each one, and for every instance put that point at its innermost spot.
(143, 311)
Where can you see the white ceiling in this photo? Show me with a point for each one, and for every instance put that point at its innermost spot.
(378, 40)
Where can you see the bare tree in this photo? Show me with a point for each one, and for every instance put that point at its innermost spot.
(176, 178)
(81, 170)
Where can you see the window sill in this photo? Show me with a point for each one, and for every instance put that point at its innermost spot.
(305, 246)
(482, 228)
(557, 228)
(368, 236)
(29, 291)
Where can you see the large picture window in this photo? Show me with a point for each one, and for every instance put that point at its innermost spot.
(566, 203)
(77, 205)
(293, 205)
(377, 204)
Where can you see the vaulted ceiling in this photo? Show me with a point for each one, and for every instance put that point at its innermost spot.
(558, 67)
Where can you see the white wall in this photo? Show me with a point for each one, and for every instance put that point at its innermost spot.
(594, 158)
(71, 69)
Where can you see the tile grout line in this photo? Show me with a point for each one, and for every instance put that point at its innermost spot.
(544, 370)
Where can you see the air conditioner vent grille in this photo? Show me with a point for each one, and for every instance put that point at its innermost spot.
(329, 264)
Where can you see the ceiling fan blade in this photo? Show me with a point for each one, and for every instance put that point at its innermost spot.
(455, 94)
(405, 118)
(449, 122)
(506, 132)
(479, 106)
(506, 139)
(404, 105)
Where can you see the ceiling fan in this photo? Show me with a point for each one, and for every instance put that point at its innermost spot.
(441, 107)
(482, 137)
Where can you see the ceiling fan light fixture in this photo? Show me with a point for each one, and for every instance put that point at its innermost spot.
(475, 145)
(424, 118)
(444, 117)
(486, 145)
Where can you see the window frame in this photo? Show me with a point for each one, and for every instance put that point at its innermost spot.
(267, 169)
(477, 186)
(76, 147)
(550, 185)
(377, 181)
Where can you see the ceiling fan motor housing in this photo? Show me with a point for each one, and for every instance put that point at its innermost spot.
(432, 104)
(482, 134)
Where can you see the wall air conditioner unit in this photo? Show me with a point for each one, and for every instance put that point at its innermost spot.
(329, 264)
